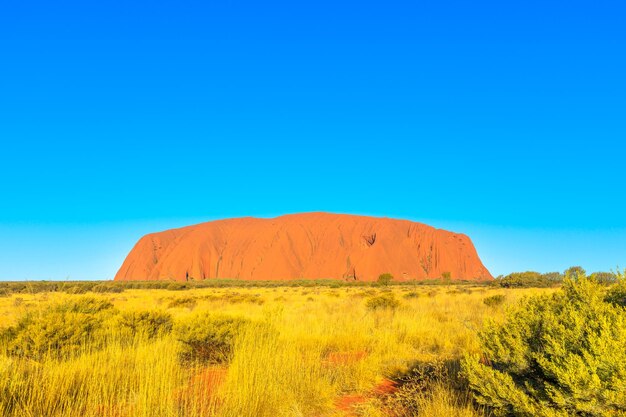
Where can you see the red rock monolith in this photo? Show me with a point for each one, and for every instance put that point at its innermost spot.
(304, 246)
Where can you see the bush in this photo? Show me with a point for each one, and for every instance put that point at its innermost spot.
(529, 279)
(494, 300)
(604, 277)
(149, 324)
(382, 302)
(557, 355)
(426, 387)
(209, 339)
(616, 294)
(385, 279)
(575, 272)
(59, 330)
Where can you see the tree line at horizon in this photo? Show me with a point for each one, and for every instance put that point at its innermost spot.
(526, 279)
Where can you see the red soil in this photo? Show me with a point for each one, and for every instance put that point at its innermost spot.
(209, 379)
(201, 387)
(348, 403)
(303, 246)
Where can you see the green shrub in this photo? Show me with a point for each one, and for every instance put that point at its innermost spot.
(149, 324)
(208, 339)
(554, 355)
(616, 294)
(420, 384)
(59, 330)
(604, 277)
(529, 279)
(575, 272)
(385, 279)
(494, 300)
(382, 302)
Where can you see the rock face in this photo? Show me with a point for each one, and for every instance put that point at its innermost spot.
(303, 246)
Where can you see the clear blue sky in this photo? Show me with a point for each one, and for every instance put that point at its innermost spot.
(502, 120)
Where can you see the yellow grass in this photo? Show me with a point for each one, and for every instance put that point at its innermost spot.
(306, 350)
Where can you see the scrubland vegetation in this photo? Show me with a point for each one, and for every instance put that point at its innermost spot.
(317, 350)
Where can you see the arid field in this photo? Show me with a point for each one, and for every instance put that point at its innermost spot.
(281, 351)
